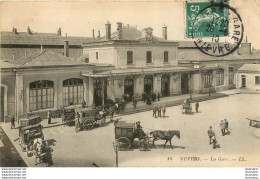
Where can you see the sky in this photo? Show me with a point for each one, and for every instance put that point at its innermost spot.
(79, 18)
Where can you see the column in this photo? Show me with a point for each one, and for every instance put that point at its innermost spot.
(139, 86)
(157, 84)
(20, 94)
(196, 82)
(90, 92)
(85, 88)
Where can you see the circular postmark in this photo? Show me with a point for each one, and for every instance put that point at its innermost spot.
(217, 30)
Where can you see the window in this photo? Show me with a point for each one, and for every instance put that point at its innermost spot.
(166, 56)
(220, 77)
(129, 57)
(257, 80)
(72, 91)
(207, 79)
(231, 75)
(86, 60)
(41, 95)
(148, 57)
(96, 55)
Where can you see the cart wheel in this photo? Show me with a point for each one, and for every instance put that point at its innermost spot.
(144, 145)
(124, 144)
(103, 122)
(87, 125)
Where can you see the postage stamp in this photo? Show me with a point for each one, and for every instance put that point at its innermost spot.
(217, 29)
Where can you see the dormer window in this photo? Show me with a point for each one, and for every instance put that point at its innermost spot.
(130, 57)
(166, 57)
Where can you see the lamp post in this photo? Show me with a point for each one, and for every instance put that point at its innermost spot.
(115, 145)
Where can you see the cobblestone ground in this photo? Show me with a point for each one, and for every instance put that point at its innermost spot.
(192, 149)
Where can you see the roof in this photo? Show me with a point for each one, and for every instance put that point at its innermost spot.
(124, 124)
(23, 38)
(249, 68)
(139, 71)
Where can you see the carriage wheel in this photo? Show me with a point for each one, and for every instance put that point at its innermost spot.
(124, 144)
(87, 125)
(144, 145)
(103, 122)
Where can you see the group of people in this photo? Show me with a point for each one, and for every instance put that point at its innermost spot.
(159, 111)
(149, 97)
(211, 133)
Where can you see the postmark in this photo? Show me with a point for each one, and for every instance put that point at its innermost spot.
(217, 29)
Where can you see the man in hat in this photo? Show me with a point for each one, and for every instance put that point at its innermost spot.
(12, 122)
(83, 104)
(49, 117)
(197, 106)
(222, 127)
(139, 130)
(159, 111)
(226, 125)
(211, 134)
(163, 110)
(154, 111)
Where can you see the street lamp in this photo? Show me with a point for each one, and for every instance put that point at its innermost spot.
(116, 145)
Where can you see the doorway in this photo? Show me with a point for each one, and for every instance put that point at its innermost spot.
(148, 84)
(184, 83)
(243, 81)
(98, 90)
(165, 85)
(128, 89)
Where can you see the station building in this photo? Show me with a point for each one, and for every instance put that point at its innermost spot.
(41, 72)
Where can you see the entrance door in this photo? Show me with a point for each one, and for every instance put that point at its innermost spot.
(243, 81)
(148, 84)
(98, 92)
(2, 105)
(165, 85)
(128, 89)
(185, 83)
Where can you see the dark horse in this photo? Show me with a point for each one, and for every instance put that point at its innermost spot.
(165, 135)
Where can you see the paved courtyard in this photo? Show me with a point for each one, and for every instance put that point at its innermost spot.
(192, 149)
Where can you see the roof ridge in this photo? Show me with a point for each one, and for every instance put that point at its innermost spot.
(31, 59)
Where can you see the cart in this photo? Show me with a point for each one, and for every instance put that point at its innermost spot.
(42, 152)
(68, 116)
(28, 134)
(87, 119)
(126, 132)
(254, 122)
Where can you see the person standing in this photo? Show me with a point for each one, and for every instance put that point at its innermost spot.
(211, 133)
(197, 106)
(83, 104)
(154, 111)
(49, 117)
(159, 111)
(163, 110)
(12, 122)
(135, 103)
(226, 125)
(158, 96)
(222, 126)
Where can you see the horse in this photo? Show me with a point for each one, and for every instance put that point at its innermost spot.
(165, 135)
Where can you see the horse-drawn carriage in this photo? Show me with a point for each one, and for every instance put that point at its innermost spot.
(42, 152)
(68, 116)
(254, 122)
(87, 119)
(186, 107)
(126, 132)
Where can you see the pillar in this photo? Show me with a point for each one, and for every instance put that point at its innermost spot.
(157, 84)
(90, 92)
(139, 86)
(20, 94)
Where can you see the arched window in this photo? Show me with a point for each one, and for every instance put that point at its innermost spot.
(220, 77)
(72, 91)
(231, 75)
(41, 95)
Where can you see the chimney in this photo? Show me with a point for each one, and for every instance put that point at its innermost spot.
(119, 30)
(13, 56)
(164, 32)
(59, 31)
(108, 31)
(66, 47)
(14, 30)
(98, 34)
(25, 55)
(93, 34)
(147, 33)
(29, 31)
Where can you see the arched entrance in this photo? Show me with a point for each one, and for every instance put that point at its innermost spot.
(148, 83)
(165, 85)
(128, 89)
(184, 83)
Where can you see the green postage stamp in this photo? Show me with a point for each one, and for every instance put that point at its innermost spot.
(203, 20)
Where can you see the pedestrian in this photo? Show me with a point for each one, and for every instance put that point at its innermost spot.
(211, 133)
(12, 122)
(83, 104)
(226, 125)
(163, 110)
(158, 96)
(154, 111)
(222, 126)
(159, 111)
(197, 106)
(49, 117)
